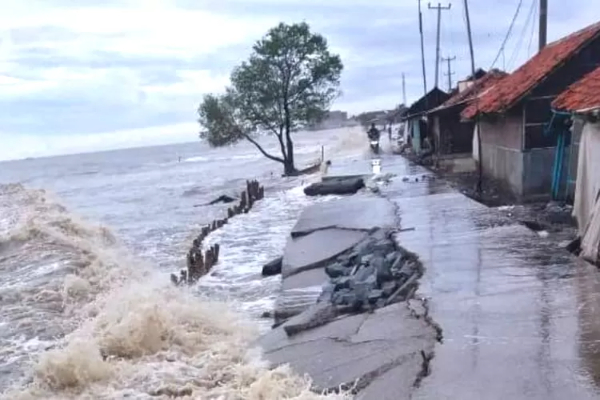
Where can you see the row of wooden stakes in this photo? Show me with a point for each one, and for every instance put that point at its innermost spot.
(199, 263)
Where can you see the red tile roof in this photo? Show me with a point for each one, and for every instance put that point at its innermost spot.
(582, 95)
(511, 89)
(477, 89)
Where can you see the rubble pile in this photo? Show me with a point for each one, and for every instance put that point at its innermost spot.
(373, 274)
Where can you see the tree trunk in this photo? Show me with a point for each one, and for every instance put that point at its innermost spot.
(289, 157)
(288, 168)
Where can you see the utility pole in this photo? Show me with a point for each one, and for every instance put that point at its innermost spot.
(477, 122)
(403, 90)
(470, 38)
(439, 9)
(422, 50)
(543, 23)
(450, 73)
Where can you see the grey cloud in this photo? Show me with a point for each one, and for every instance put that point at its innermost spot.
(48, 116)
(384, 39)
(36, 58)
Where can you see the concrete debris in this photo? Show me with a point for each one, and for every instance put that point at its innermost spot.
(272, 267)
(339, 186)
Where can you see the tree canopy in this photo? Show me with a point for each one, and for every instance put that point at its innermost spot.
(289, 81)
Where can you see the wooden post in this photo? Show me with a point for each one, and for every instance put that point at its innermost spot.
(217, 249)
(243, 201)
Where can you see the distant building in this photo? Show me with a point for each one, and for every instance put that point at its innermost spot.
(417, 125)
(332, 120)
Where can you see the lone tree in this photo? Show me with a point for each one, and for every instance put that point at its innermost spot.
(289, 82)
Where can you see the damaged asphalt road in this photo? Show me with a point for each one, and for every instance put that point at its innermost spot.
(380, 355)
(520, 315)
(382, 352)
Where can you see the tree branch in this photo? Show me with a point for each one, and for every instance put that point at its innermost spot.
(264, 153)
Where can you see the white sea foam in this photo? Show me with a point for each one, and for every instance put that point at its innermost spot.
(132, 334)
(85, 319)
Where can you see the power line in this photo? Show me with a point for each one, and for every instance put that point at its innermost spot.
(512, 24)
(517, 49)
(532, 31)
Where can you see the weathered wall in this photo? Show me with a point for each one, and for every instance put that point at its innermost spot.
(505, 165)
(537, 171)
(504, 131)
(501, 143)
(573, 157)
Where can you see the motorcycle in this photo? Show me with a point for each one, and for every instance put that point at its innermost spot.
(374, 145)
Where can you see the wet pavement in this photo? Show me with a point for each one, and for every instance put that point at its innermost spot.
(520, 316)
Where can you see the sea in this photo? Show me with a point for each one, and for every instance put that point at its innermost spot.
(87, 244)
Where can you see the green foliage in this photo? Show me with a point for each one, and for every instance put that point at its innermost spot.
(289, 81)
(220, 119)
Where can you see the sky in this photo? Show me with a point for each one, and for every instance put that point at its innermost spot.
(85, 75)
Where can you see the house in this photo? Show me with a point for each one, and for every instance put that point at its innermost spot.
(415, 118)
(581, 102)
(453, 135)
(513, 116)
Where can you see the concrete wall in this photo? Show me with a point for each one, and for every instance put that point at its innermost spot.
(537, 171)
(504, 164)
(504, 131)
(501, 155)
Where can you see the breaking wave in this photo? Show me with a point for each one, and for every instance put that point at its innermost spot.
(94, 322)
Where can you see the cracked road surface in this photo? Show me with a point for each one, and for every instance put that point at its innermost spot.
(380, 354)
(520, 317)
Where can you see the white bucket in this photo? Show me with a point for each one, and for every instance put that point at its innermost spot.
(376, 166)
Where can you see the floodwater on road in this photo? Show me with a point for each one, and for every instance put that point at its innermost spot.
(520, 316)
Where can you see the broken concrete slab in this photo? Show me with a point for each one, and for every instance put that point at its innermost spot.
(356, 349)
(338, 187)
(298, 292)
(273, 267)
(314, 250)
(316, 315)
(389, 383)
(353, 213)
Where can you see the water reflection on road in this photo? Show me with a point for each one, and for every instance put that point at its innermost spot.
(521, 317)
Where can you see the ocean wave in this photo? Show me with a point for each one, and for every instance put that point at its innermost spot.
(104, 325)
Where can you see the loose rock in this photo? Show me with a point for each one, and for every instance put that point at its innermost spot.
(336, 270)
(373, 274)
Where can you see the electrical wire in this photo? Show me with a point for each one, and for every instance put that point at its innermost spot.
(518, 47)
(512, 24)
(537, 9)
